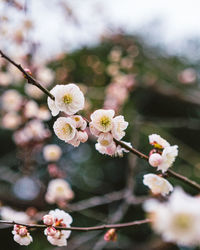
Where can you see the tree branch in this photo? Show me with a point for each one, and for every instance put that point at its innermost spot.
(30, 79)
(33, 81)
(84, 229)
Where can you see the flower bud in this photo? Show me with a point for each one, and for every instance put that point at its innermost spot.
(23, 231)
(155, 160)
(110, 235)
(48, 219)
(51, 231)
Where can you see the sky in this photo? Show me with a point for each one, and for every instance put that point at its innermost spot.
(169, 23)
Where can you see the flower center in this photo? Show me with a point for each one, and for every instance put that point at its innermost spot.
(67, 99)
(182, 221)
(105, 121)
(67, 129)
(104, 143)
(60, 189)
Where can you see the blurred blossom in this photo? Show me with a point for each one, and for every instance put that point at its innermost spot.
(45, 76)
(5, 79)
(11, 120)
(58, 190)
(26, 188)
(55, 172)
(52, 152)
(112, 69)
(33, 91)
(31, 109)
(11, 100)
(115, 54)
(7, 213)
(187, 76)
(34, 130)
(44, 114)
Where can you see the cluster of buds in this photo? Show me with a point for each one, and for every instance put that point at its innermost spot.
(107, 128)
(21, 235)
(163, 155)
(57, 218)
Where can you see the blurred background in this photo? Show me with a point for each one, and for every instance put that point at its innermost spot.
(140, 59)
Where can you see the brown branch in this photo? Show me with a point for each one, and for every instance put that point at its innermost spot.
(30, 79)
(34, 82)
(169, 172)
(85, 229)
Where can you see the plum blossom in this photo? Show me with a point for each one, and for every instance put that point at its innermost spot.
(11, 120)
(119, 125)
(61, 219)
(21, 235)
(68, 98)
(163, 155)
(52, 152)
(71, 129)
(102, 119)
(157, 184)
(7, 213)
(58, 190)
(120, 150)
(157, 141)
(31, 109)
(64, 128)
(11, 100)
(178, 219)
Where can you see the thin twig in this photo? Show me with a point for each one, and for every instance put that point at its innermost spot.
(33, 81)
(95, 228)
(169, 172)
(30, 79)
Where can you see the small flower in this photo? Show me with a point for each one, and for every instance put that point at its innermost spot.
(68, 98)
(157, 184)
(58, 190)
(11, 100)
(119, 125)
(64, 128)
(178, 219)
(155, 159)
(105, 139)
(168, 157)
(61, 219)
(109, 150)
(157, 141)
(48, 219)
(11, 120)
(21, 235)
(52, 152)
(102, 119)
(120, 150)
(31, 109)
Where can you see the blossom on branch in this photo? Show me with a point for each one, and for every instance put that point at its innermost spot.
(21, 235)
(157, 184)
(163, 155)
(52, 152)
(68, 98)
(61, 219)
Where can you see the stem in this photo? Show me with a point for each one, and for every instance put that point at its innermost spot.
(101, 227)
(33, 81)
(169, 172)
(30, 79)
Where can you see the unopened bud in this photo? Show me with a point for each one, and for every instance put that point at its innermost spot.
(111, 235)
(48, 219)
(23, 231)
(51, 231)
(155, 160)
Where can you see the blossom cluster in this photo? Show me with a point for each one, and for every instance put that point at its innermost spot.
(178, 219)
(55, 218)
(107, 128)
(163, 155)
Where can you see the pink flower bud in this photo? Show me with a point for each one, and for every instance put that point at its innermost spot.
(28, 71)
(110, 235)
(23, 231)
(155, 160)
(51, 231)
(48, 219)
